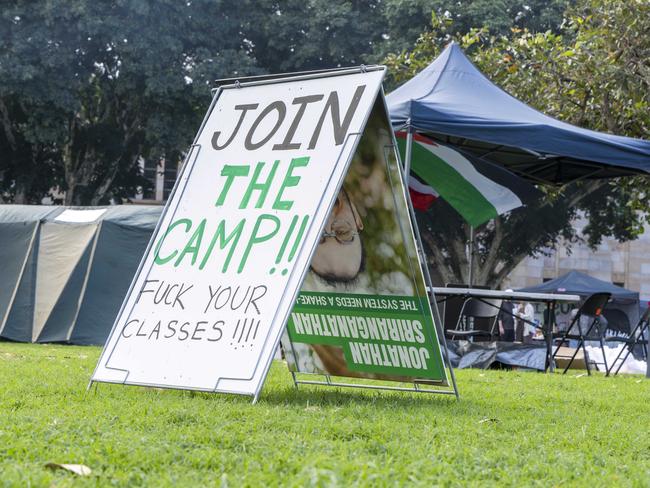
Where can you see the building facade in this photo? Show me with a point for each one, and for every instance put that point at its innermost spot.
(624, 264)
(161, 175)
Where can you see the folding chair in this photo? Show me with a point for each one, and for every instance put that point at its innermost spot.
(591, 309)
(637, 337)
(617, 321)
(474, 309)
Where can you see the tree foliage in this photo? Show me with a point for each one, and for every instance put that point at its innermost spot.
(313, 34)
(89, 86)
(404, 18)
(594, 73)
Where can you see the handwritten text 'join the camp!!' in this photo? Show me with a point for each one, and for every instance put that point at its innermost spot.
(265, 190)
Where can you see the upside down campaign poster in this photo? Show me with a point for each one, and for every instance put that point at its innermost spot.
(208, 306)
(363, 310)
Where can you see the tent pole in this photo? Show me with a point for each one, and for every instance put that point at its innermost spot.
(471, 255)
(407, 156)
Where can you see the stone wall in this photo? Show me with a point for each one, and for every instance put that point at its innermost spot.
(625, 264)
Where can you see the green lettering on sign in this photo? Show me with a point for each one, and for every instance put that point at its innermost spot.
(289, 181)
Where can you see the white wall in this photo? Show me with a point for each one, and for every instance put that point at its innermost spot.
(627, 263)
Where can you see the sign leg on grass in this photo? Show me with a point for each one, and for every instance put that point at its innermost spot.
(223, 270)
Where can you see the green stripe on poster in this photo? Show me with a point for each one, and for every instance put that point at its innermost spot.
(378, 334)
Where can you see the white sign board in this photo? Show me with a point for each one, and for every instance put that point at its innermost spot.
(212, 296)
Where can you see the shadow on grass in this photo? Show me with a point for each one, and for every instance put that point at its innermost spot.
(111, 390)
(305, 395)
(325, 396)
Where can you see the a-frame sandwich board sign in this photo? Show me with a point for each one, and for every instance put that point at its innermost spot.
(215, 288)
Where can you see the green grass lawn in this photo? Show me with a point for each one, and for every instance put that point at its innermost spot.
(512, 429)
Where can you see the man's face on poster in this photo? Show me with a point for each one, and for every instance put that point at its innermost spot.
(339, 255)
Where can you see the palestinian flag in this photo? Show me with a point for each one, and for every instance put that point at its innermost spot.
(422, 195)
(477, 190)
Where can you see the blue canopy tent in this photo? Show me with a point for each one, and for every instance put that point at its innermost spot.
(454, 103)
(576, 283)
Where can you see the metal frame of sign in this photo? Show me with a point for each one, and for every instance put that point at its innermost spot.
(193, 153)
(417, 384)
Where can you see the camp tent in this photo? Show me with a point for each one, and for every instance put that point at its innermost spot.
(454, 103)
(66, 270)
(576, 283)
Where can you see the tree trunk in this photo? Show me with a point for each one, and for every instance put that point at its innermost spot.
(20, 196)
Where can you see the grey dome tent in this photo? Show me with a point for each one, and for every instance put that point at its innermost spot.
(577, 283)
(66, 270)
